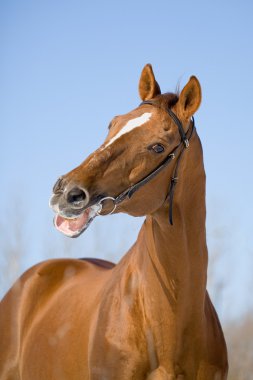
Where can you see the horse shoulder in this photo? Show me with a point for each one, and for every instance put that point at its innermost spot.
(41, 288)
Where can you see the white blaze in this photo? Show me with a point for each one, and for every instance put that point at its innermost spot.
(130, 125)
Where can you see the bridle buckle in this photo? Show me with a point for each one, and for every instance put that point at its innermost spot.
(174, 180)
(186, 143)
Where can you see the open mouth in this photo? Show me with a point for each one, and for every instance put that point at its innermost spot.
(73, 227)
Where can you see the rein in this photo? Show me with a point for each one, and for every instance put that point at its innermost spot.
(184, 144)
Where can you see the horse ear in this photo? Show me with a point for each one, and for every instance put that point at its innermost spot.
(190, 98)
(148, 86)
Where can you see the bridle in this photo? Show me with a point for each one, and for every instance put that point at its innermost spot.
(184, 144)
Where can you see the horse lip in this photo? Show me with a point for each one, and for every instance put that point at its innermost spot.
(64, 223)
(69, 214)
(78, 232)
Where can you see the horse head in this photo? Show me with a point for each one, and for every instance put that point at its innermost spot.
(137, 145)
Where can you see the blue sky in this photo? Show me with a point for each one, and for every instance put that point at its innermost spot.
(67, 67)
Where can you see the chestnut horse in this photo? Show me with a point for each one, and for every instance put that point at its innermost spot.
(149, 316)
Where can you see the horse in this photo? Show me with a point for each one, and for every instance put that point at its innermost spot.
(150, 316)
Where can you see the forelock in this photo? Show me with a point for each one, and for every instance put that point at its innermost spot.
(167, 100)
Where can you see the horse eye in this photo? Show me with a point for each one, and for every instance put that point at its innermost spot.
(158, 148)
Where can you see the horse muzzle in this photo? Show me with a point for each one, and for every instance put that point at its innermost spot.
(70, 203)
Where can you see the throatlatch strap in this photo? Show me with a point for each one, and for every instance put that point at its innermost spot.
(174, 178)
(185, 141)
(173, 182)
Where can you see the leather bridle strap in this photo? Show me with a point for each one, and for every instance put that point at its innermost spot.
(184, 144)
(180, 127)
(132, 189)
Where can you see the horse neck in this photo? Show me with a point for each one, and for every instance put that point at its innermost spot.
(178, 253)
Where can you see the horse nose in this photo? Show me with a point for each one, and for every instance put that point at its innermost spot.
(78, 196)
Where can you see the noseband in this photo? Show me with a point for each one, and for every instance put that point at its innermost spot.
(184, 144)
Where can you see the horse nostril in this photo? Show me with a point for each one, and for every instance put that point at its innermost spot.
(58, 185)
(76, 195)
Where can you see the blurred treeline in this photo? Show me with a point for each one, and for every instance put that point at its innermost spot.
(238, 329)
